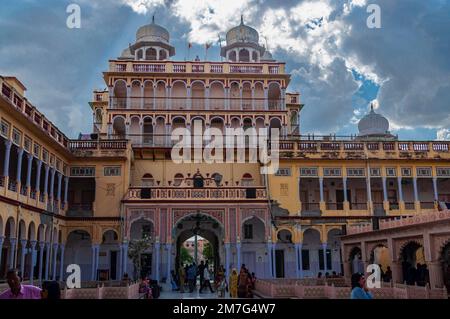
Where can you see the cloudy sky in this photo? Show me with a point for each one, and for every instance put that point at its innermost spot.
(338, 64)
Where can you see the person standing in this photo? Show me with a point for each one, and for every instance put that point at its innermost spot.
(17, 290)
(359, 287)
(200, 272)
(206, 279)
(233, 280)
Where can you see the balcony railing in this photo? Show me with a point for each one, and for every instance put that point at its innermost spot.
(196, 67)
(97, 144)
(196, 103)
(12, 185)
(80, 210)
(349, 145)
(358, 206)
(196, 194)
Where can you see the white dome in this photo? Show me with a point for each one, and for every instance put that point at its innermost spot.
(373, 124)
(152, 33)
(242, 34)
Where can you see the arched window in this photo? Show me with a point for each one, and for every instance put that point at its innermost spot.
(244, 55)
(178, 179)
(247, 180)
(198, 181)
(150, 54)
(148, 180)
(98, 116)
(162, 55)
(232, 56)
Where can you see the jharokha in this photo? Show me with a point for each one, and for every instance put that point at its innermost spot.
(329, 206)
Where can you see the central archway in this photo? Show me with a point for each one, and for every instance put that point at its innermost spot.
(202, 225)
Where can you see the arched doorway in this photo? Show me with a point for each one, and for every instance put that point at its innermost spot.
(355, 258)
(201, 226)
(285, 255)
(412, 256)
(142, 249)
(254, 250)
(79, 251)
(380, 256)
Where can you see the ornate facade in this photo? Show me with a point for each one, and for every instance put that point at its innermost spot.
(83, 201)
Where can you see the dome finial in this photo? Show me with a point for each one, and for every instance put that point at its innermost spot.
(242, 19)
(371, 106)
(153, 19)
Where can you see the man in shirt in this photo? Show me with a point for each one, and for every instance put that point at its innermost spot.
(17, 290)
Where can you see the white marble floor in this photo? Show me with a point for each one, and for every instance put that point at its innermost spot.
(167, 293)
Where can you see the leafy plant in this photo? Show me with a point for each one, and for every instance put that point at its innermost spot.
(136, 248)
(186, 258)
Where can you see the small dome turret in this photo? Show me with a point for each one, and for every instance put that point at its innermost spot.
(373, 125)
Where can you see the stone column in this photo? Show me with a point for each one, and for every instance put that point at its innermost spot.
(94, 248)
(66, 188)
(189, 101)
(397, 275)
(385, 194)
(169, 260)
(416, 191)
(324, 249)
(300, 260)
(52, 183)
(58, 192)
(274, 264)
(266, 99)
(19, 164)
(55, 255)
(142, 96)
(33, 259)
(23, 251)
(125, 257)
(41, 259)
(6, 159)
(436, 275)
(120, 272)
(227, 259)
(12, 250)
(238, 252)
(322, 200)
(30, 163)
(61, 262)
(369, 193)
(253, 98)
(347, 270)
(2, 239)
(400, 192)
(128, 97)
(38, 177)
(297, 265)
(157, 252)
(269, 259)
(435, 189)
(207, 95)
(47, 260)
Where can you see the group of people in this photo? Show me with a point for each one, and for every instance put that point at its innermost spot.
(242, 284)
(186, 278)
(419, 275)
(238, 285)
(49, 290)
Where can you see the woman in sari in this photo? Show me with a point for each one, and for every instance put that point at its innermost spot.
(233, 284)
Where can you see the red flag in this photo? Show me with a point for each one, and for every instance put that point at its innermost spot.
(190, 45)
(207, 46)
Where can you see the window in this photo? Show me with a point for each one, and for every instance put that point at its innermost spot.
(112, 171)
(391, 171)
(424, 171)
(5, 129)
(36, 150)
(321, 263)
(82, 171)
(178, 179)
(284, 189)
(27, 144)
(308, 171)
(17, 137)
(406, 171)
(52, 160)
(443, 171)
(375, 172)
(45, 155)
(332, 172)
(283, 172)
(248, 231)
(58, 164)
(147, 180)
(356, 172)
(247, 180)
(305, 259)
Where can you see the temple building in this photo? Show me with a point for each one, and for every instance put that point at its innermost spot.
(85, 201)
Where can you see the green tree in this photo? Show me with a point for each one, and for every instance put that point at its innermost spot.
(136, 248)
(186, 258)
(208, 252)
